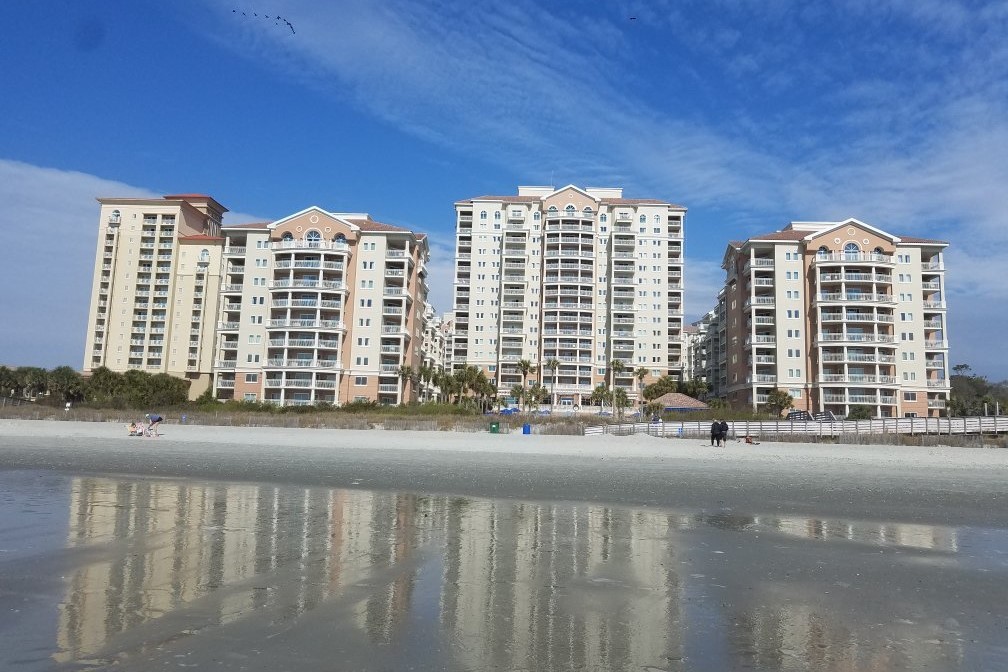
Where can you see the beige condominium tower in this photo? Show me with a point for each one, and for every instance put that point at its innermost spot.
(570, 280)
(838, 314)
(154, 290)
(321, 307)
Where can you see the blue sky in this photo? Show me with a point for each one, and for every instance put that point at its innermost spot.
(751, 114)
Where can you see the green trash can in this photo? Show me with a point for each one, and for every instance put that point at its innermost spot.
(495, 428)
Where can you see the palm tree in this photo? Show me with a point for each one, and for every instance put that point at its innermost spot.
(599, 394)
(552, 364)
(616, 367)
(620, 402)
(525, 367)
(640, 373)
(405, 373)
(518, 392)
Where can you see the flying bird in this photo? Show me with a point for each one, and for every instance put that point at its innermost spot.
(276, 20)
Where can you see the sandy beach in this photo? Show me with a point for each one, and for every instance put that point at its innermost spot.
(966, 485)
(284, 549)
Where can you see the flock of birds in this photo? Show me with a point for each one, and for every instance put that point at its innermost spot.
(275, 19)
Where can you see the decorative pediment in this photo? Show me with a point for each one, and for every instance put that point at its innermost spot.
(314, 222)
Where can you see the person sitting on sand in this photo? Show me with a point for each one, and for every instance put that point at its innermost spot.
(132, 427)
(154, 419)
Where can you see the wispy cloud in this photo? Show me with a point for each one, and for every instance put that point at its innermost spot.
(52, 217)
(893, 112)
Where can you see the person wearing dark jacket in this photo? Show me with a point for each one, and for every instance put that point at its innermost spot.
(722, 432)
(715, 428)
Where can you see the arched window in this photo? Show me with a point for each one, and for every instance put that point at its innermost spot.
(204, 256)
(603, 218)
(657, 219)
(879, 250)
(287, 235)
(822, 252)
(497, 214)
(340, 238)
(851, 250)
(535, 215)
(313, 238)
(588, 212)
(552, 210)
(482, 214)
(569, 210)
(643, 219)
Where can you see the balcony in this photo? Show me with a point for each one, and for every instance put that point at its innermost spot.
(303, 363)
(227, 326)
(941, 383)
(934, 305)
(309, 245)
(936, 345)
(225, 383)
(859, 257)
(936, 403)
(234, 249)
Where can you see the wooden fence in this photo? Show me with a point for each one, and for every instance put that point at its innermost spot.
(909, 426)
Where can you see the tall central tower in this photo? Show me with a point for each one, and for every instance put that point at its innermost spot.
(571, 280)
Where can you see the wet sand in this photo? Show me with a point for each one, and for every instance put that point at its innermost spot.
(273, 549)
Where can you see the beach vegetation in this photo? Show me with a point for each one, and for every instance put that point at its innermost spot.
(777, 402)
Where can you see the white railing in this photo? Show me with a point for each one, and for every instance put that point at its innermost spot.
(837, 428)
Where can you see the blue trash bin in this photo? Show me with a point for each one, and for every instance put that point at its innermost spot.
(526, 428)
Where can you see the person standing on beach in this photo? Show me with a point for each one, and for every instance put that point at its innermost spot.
(715, 428)
(154, 419)
(722, 432)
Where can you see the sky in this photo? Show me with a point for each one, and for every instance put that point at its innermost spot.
(749, 113)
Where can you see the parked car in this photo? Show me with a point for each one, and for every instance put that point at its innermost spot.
(800, 416)
(509, 411)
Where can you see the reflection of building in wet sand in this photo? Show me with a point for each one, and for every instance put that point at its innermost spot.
(548, 587)
(522, 585)
(221, 551)
(927, 537)
(783, 631)
(505, 585)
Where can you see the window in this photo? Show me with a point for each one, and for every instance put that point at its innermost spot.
(250, 396)
(497, 215)
(360, 380)
(603, 218)
(569, 210)
(795, 392)
(851, 250)
(251, 377)
(483, 214)
(535, 215)
(313, 238)
(287, 235)
(909, 396)
(822, 252)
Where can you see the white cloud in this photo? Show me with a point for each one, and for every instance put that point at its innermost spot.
(50, 218)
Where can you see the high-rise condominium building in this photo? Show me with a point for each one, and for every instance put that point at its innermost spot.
(153, 296)
(321, 307)
(838, 314)
(570, 280)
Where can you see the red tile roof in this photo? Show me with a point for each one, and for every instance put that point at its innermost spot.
(249, 225)
(639, 201)
(198, 237)
(790, 234)
(922, 241)
(504, 199)
(372, 225)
